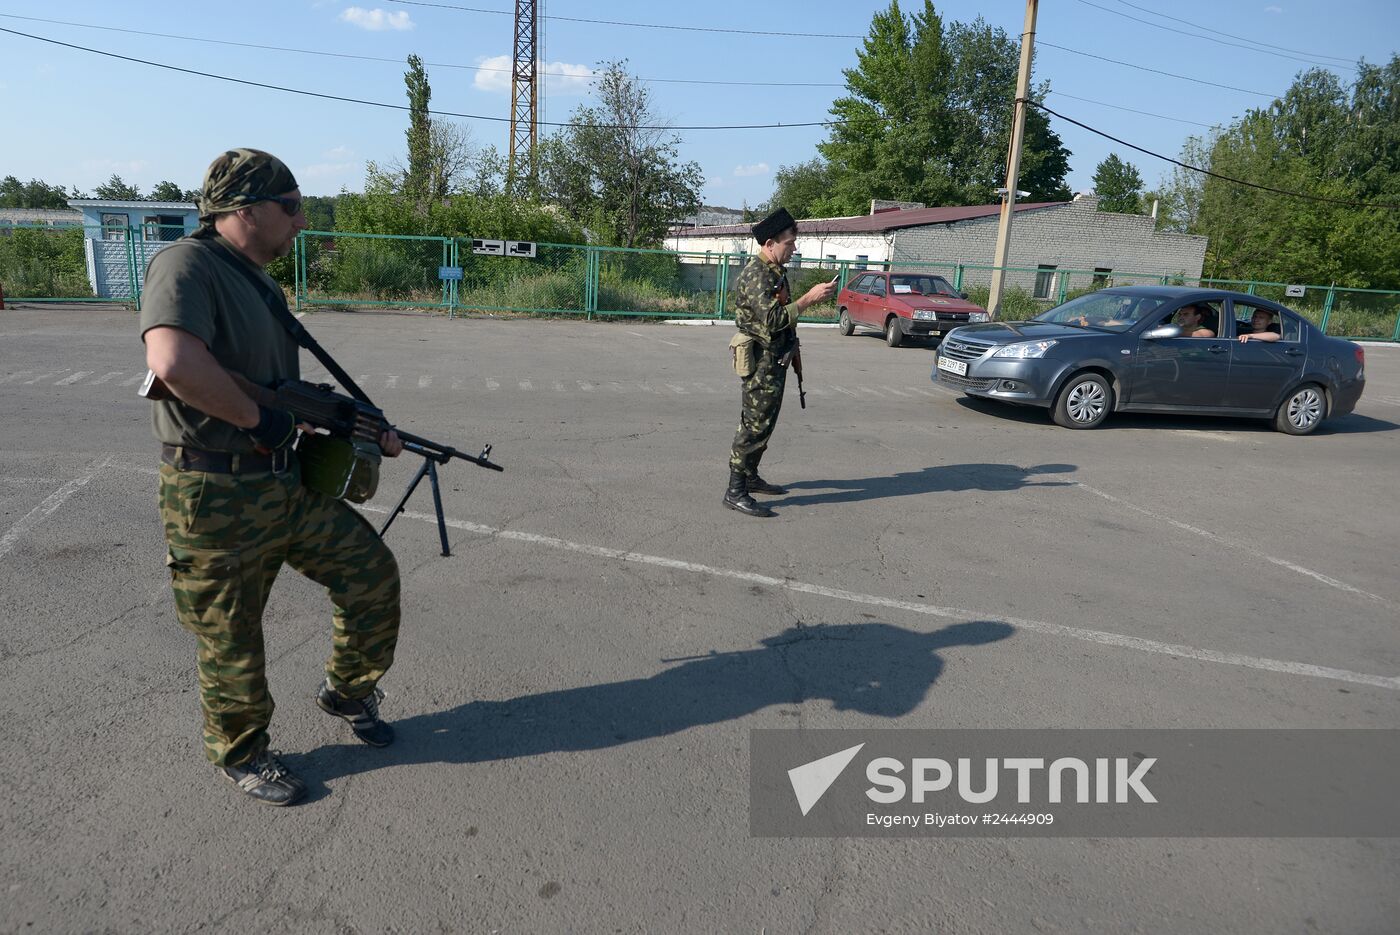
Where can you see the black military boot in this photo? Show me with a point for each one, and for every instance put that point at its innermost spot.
(759, 485)
(265, 779)
(362, 713)
(737, 496)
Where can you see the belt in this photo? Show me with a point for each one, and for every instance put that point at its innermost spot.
(183, 458)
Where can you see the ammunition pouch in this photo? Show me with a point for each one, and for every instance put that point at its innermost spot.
(344, 468)
(744, 354)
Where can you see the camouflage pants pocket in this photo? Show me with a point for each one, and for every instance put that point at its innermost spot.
(219, 597)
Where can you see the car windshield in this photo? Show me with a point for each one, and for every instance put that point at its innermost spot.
(924, 285)
(1107, 310)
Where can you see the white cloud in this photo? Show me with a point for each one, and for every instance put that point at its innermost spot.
(321, 170)
(376, 20)
(758, 168)
(560, 77)
(1273, 9)
(339, 153)
(115, 167)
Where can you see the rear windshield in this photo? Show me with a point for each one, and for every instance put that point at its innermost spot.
(924, 285)
(1103, 310)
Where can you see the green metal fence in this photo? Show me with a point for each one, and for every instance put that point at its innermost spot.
(332, 268)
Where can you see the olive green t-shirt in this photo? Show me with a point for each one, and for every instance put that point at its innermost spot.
(191, 288)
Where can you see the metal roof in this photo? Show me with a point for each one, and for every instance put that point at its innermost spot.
(878, 223)
(160, 205)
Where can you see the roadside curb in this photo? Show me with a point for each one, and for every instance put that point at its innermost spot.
(711, 322)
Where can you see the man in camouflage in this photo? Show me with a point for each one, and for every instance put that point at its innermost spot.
(767, 321)
(231, 497)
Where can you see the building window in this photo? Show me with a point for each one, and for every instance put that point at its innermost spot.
(796, 261)
(1101, 275)
(114, 227)
(1044, 281)
(862, 260)
(163, 227)
(831, 261)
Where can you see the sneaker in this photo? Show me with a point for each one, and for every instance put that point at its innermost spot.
(266, 779)
(362, 713)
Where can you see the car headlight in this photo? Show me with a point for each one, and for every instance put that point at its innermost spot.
(924, 314)
(976, 316)
(1026, 350)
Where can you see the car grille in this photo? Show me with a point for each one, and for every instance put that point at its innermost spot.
(964, 383)
(959, 350)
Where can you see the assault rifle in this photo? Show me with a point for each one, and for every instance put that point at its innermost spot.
(348, 467)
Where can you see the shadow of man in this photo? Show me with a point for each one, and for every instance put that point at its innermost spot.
(873, 668)
(938, 479)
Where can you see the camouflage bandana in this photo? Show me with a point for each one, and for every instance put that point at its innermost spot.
(238, 178)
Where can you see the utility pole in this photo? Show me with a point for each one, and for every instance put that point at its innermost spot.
(1013, 162)
(524, 92)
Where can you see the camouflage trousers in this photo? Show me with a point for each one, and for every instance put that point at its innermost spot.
(228, 535)
(761, 398)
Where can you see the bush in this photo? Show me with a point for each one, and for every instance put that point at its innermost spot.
(44, 264)
(385, 270)
(1016, 303)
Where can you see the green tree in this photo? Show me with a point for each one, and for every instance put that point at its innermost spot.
(804, 189)
(34, 194)
(116, 189)
(419, 133)
(613, 171)
(1118, 185)
(169, 191)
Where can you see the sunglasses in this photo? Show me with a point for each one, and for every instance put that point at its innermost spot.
(292, 206)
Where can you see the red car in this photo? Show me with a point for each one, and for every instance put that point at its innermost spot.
(901, 305)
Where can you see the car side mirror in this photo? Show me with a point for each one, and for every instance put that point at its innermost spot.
(1163, 331)
(962, 295)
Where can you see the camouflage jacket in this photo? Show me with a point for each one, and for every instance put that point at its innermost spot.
(763, 306)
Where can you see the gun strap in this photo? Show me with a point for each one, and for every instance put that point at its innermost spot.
(277, 304)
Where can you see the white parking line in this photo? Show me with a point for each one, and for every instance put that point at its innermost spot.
(132, 381)
(16, 376)
(1230, 543)
(492, 384)
(105, 377)
(1101, 637)
(391, 381)
(526, 385)
(648, 337)
(70, 380)
(425, 381)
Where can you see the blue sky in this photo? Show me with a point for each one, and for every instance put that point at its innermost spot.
(74, 118)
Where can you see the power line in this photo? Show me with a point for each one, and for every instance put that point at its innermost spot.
(404, 107)
(1155, 71)
(1335, 58)
(1182, 32)
(1145, 113)
(608, 22)
(373, 58)
(1216, 175)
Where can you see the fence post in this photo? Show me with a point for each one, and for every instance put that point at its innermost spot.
(131, 266)
(591, 292)
(958, 278)
(298, 255)
(1327, 306)
(1250, 289)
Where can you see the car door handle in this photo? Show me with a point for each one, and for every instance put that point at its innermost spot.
(1294, 352)
(1217, 349)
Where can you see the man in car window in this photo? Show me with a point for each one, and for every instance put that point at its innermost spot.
(1191, 319)
(1262, 327)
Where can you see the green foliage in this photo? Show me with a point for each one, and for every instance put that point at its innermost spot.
(1319, 139)
(419, 132)
(926, 118)
(169, 191)
(384, 269)
(1118, 185)
(45, 264)
(35, 194)
(1016, 303)
(116, 189)
(624, 183)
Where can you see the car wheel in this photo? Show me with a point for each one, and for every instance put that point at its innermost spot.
(894, 332)
(1084, 402)
(1302, 411)
(845, 325)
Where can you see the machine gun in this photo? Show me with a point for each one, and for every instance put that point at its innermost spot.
(341, 458)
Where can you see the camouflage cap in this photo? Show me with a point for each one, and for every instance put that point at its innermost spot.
(238, 178)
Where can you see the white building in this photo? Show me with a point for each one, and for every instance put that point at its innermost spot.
(1054, 245)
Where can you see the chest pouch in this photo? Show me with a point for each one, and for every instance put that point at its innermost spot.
(344, 468)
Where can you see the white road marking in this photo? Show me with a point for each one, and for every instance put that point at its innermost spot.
(706, 388)
(650, 338)
(890, 389)
(1230, 543)
(1101, 637)
(586, 387)
(70, 380)
(391, 381)
(677, 388)
(456, 383)
(45, 376)
(558, 386)
(1213, 436)
(922, 392)
(105, 377)
(842, 389)
(526, 385)
(492, 384)
(51, 503)
(1389, 400)
(424, 382)
(132, 381)
(16, 376)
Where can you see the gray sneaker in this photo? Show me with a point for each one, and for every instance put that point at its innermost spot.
(362, 713)
(266, 779)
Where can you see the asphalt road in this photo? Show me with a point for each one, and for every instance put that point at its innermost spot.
(576, 684)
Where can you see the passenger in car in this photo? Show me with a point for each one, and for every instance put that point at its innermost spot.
(1262, 327)
(1192, 321)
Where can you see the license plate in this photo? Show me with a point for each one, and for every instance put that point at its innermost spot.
(953, 366)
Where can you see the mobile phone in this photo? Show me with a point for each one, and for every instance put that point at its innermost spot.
(836, 277)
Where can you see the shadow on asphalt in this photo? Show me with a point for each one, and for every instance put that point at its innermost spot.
(873, 668)
(1350, 424)
(939, 479)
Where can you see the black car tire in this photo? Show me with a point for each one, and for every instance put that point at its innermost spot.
(1084, 402)
(845, 325)
(1302, 411)
(894, 332)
